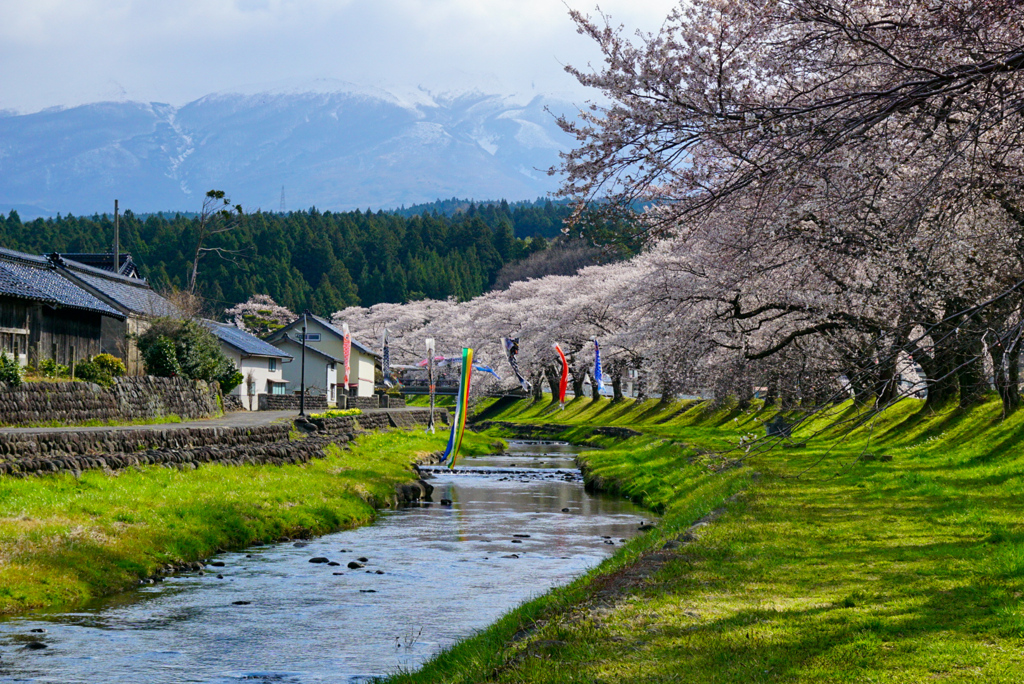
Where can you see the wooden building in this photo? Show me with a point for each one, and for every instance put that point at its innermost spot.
(136, 302)
(43, 315)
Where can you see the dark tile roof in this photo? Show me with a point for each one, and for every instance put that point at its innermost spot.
(105, 261)
(244, 342)
(331, 327)
(31, 277)
(130, 294)
(309, 349)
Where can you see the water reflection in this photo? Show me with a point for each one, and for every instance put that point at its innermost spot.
(432, 575)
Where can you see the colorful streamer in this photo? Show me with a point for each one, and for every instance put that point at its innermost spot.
(511, 345)
(385, 361)
(347, 351)
(565, 378)
(451, 452)
(486, 369)
(430, 381)
(598, 376)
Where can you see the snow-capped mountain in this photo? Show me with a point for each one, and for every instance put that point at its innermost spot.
(333, 146)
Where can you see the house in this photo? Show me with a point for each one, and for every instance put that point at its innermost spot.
(126, 266)
(261, 364)
(133, 298)
(322, 369)
(44, 315)
(327, 339)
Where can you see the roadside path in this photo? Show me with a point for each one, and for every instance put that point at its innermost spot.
(234, 419)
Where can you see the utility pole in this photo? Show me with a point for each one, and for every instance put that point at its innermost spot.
(302, 370)
(117, 241)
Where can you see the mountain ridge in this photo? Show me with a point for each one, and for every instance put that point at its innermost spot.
(336, 150)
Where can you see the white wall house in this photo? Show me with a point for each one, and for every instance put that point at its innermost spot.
(261, 364)
(322, 370)
(328, 339)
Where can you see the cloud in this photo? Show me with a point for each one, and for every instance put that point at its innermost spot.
(66, 52)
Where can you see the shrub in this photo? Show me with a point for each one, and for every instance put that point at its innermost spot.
(160, 358)
(10, 371)
(178, 347)
(111, 365)
(49, 368)
(101, 369)
(338, 413)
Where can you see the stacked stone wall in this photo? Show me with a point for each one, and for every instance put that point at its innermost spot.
(390, 401)
(23, 453)
(130, 399)
(290, 402)
(362, 402)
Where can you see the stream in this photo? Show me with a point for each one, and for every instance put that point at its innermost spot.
(518, 524)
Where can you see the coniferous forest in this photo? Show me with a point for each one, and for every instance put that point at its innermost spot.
(323, 261)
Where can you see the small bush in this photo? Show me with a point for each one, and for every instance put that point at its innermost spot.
(10, 371)
(101, 369)
(161, 359)
(338, 413)
(111, 365)
(49, 368)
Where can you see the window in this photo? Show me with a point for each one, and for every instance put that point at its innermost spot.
(311, 337)
(277, 388)
(272, 365)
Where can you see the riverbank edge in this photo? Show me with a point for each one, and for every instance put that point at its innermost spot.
(925, 500)
(80, 538)
(507, 641)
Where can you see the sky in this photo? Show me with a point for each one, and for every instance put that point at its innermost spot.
(70, 52)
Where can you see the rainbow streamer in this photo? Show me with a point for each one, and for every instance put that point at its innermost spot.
(563, 381)
(451, 452)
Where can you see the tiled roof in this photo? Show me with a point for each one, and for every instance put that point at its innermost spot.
(132, 294)
(309, 349)
(330, 326)
(32, 277)
(126, 266)
(327, 324)
(244, 342)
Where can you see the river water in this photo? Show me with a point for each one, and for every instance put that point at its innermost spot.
(433, 575)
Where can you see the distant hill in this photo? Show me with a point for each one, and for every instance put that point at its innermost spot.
(339, 148)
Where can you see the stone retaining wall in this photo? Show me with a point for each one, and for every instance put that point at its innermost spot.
(131, 398)
(362, 402)
(391, 401)
(290, 402)
(23, 453)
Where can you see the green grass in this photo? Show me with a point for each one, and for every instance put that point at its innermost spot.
(157, 420)
(64, 541)
(825, 568)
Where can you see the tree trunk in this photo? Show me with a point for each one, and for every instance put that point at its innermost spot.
(616, 387)
(577, 383)
(887, 382)
(970, 367)
(1006, 374)
(553, 377)
(641, 387)
(771, 392)
(537, 386)
(595, 390)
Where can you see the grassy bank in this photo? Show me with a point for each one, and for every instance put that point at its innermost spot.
(834, 563)
(64, 540)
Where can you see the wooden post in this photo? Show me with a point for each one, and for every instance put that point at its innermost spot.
(117, 241)
(72, 352)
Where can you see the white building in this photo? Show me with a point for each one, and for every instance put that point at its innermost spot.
(261, 364)
(329, 340)
(321, 370)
